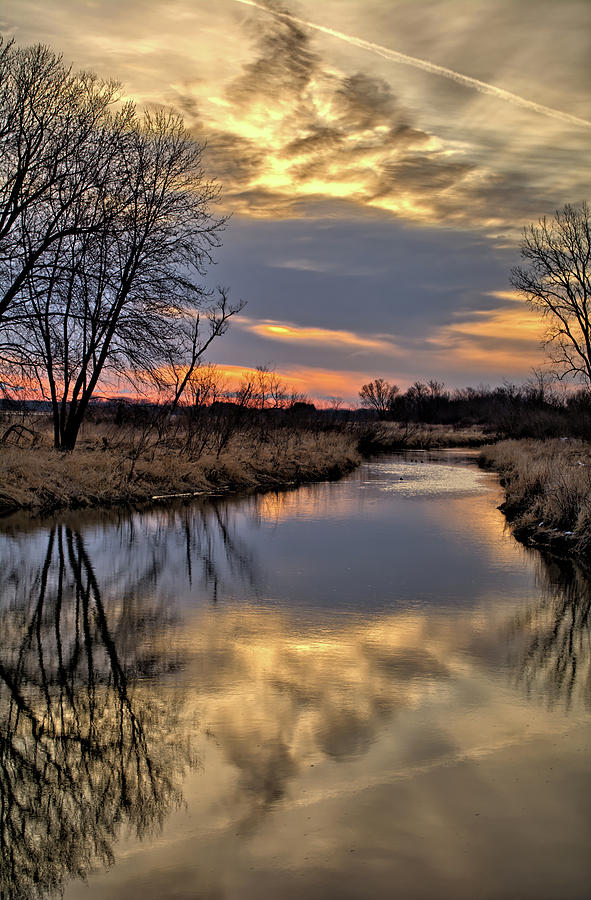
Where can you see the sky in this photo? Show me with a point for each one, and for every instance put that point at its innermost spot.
(378, 160)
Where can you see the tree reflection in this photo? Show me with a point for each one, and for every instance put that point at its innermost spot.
(86, 747)
(553, 636)
(224, 559)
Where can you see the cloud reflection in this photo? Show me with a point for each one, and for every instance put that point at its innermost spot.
(100, 688)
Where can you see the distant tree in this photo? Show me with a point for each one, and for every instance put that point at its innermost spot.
(378, 395)
(418, 392)
(268, 389)
(417, 399)
(204, 384)
(557, 282)
(436, 389)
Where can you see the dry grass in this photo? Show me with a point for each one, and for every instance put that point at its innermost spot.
(384, 436)
(548, 488)
(113, 467)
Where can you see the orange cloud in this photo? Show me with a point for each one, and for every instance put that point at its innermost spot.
(505, 339)
(294, 334)
(514, 296)
(328, 383)
(319, 384)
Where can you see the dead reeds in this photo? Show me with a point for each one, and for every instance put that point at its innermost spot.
(136, 463)
(376, 437)
(548, 488)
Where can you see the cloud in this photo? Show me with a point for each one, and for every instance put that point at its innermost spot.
(294, 334)
(304, 265)
(425, 65)
(513, 296)
(292, 131)
(504, 339)
(326, 267)
(298, 123)
(319, 383)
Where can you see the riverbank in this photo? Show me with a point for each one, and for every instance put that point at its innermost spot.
(548, 492)
(144, 468)
(383, 437)
(150, 462)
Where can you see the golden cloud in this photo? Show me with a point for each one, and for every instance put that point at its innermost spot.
(292, 130)
(324, 383)
(501, 339)
(514, 296)
(295, 334)
(294, 118)
(343, 139)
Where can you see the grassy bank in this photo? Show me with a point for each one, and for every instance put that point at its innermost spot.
(137, 465)
(548, 491)
(380, 437)
(148, 458)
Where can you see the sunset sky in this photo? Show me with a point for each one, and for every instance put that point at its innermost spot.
(379, 159)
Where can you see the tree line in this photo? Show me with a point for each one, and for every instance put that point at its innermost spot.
(556, 281)
(534, 409)
(106, 232)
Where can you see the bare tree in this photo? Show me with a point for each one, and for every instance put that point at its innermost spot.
(557, 282)
(436, 389)
(378, 395)
(58, 143)
(183, 359)
(268, 389)
(206, 385)
(124, 297)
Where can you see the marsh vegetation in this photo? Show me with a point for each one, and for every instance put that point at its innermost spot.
(548, 491)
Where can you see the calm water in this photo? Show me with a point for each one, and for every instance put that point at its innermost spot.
(364, 689)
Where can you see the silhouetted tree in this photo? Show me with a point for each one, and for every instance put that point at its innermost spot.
(126, 298)
(378, 395)
(106, 230)
(58, 144)
(557, 282)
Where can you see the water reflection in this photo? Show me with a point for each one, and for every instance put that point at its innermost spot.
(281, 692)
(129, 639)
(85, 747)
(291, 694)
(551, 639)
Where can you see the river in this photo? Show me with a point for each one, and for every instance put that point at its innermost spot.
(357, 689)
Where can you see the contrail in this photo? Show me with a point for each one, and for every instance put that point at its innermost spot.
(482, 86)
